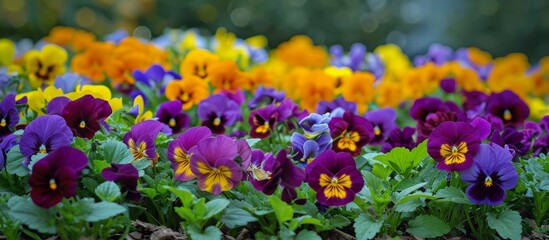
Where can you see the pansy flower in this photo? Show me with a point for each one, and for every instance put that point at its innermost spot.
(155, 78)
(399, 138)
(335, 178)
(218, 111)
(55, 176)
(225, 75)
(541, 145)
(350, 133)
(140, 139)
(307, 149)
(237, 95)
(9, 116)
(384, 121)
(437, 54)
(197, 62)
(422, 107)
(85, 115)
(179, 151)
(217, 171)
(513, 140)
(44, 65)
(265, 95)
(508, 107)
(315, 124)
(138, 110)
(6, 144)
(453, 145)
(340, 102)
(268, 172)
(263, 121)
(189, 91)
(491, 174)
(127, 175)
(424, 128)
(354, 60)
(171, 114)
(448, 85)
(44, 135)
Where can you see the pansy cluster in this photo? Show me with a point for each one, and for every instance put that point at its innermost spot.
(221, 116)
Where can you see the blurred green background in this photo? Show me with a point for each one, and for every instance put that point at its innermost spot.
(498, 26)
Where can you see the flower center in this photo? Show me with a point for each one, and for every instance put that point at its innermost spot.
(454, 154)
(507, 115)
(335, 186)
(488, 182)
(263, 128)
(53, 185)
(377, 131)
(82, 124)
(348, 140)
(258, 173)
(42, 149)
(138, 151)
(3, 123)
(172, 122)
(185, 97)
(217, 121)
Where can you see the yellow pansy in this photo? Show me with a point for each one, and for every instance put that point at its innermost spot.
(7, 48)
(44, 65)
(396, 62)
(339, 74)
(226, 48)
(38, 99)
(140, 104)
(538, 108)
(97, 91)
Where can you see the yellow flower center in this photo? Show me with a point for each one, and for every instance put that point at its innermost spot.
(53, 185)
(507, 115)
(172, 122)
(216, 176)
(42, 149)
(263, 128)
(138, 151)
(488, 182)
(258, 173)
(184, 160)
(377, 131)
(335, 186)
(217, 121)
(3, 123)
(185, 97)
(82, 124)
(348, 140)
(453, 154)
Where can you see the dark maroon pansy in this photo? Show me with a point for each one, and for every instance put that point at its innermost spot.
(422, 107)
(400, 138)
(125, 174)
(85, 115)
(453, 145)
(508, 107)
(55, 176)
(448, 85)
(171, 114)
(350, 133)
(424, 128)
(263, 121)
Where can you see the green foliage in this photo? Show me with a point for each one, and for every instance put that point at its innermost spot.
(366, 227)
(116, 152)
(14, 162)
(507, 223)
(427, 226)
(108, 191)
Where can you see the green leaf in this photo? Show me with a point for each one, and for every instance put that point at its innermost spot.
(14, 162)
(366, 227)
(99, 165)
(409, 206)
(506, 223)
(141, 164)
(150, 192)
(283, 211)
(104, 210)
(108, 191)
(253, 141)
(211, 232)
(307, 235)
(407, 191)
(117, 152)
(236, 217)
(427, 226)
(35, 158)
(339, 221)
(37, 218)
(214, 207)
(309, 220)
(452, 194)
(403, 160)
(381, 170)
(186, 213)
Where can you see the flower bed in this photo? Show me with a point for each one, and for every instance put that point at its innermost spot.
(190, 136)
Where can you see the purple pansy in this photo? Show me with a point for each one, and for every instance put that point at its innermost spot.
(482, 126)
(453, 145)
(155, 78)
(9, 116)
(448, 85)
(491, 174)
(56, 105)
(340, 102)
(44, 135)
(179, 151)
(217, 111)
(474, 103)
(315, 124)
(422, 107)
(265, 96)
(383, 121)
(237, 96)
(55, 176)
(140, 139)
(400, 138)
(350, 133)
(217, 171)
(6, 144)
(437, 54)
(170, 113)
(268, 172)
(354, 60)
(512, 139)
(508, 107)
(125, 174)
(306, 149)
(335, 178)
(68, 81)
(85, 115)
